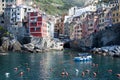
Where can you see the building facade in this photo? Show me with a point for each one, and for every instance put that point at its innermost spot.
(4, 3)
(115, 11)
(37, 25)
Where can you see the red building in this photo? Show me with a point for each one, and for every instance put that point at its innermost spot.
(37, 24)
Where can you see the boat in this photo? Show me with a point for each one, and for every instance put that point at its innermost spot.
(83, 57)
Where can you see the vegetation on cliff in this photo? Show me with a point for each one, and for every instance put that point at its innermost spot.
(55, 7)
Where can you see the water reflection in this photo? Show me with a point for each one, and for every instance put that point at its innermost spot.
(50, 65)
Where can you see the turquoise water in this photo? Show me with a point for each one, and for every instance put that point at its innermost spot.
(49, 66)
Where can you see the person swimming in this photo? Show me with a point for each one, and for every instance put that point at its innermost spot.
(28, 69)
(87, 71)
(21, 73)
(95, 74)
(15, 68)
(110, 70)
(118, 75)
(83, 74)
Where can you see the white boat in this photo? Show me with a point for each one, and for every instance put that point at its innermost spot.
(83, 57)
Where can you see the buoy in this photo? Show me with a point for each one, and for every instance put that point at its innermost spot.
(7, 74)
(76, 70)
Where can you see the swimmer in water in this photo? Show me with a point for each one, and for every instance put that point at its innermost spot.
(87, 71)
(21, 73)
(15, 68)
(110, 70)
(83, 74)
(28, 69)
(95, 74)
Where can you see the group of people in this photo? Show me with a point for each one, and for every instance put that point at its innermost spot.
(87, 71)
(21, 73)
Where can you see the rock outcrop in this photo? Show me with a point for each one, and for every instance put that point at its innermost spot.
(8, 44)
(109, 50)
(41, 44)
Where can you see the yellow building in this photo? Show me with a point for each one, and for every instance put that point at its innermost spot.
(119, 9)
(115, 7)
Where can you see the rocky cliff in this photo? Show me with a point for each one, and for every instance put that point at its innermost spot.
(35, 44)
(109, 36)
(8, 44)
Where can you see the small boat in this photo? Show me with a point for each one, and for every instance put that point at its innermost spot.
(83, 57)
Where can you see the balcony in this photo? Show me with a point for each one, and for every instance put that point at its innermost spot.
(34, 14)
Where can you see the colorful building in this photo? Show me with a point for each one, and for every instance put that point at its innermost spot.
(105, 17)
(59, 27)
(77, 31)
(114, 5)
(37, 24)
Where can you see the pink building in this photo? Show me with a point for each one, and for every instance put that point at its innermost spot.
(85, 25)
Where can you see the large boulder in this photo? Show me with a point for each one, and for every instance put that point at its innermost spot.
(108, 50)
(28, 47)
(15, 45)
(9, 45)
(5, 44)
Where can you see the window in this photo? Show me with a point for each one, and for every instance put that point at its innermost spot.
(2, 0)
(25, 10)
(117, 20)
(102, 20)
(113, 14)
(103, 15)
(33, 24)
(117, 14)
(29, 9)
(18, 13)
(37, 29)
(113, 20)
(2, 4)
(34, 29)
(91, 24)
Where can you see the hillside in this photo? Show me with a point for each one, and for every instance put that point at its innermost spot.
(55, 7)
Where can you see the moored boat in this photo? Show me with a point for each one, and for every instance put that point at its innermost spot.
(83, 57)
